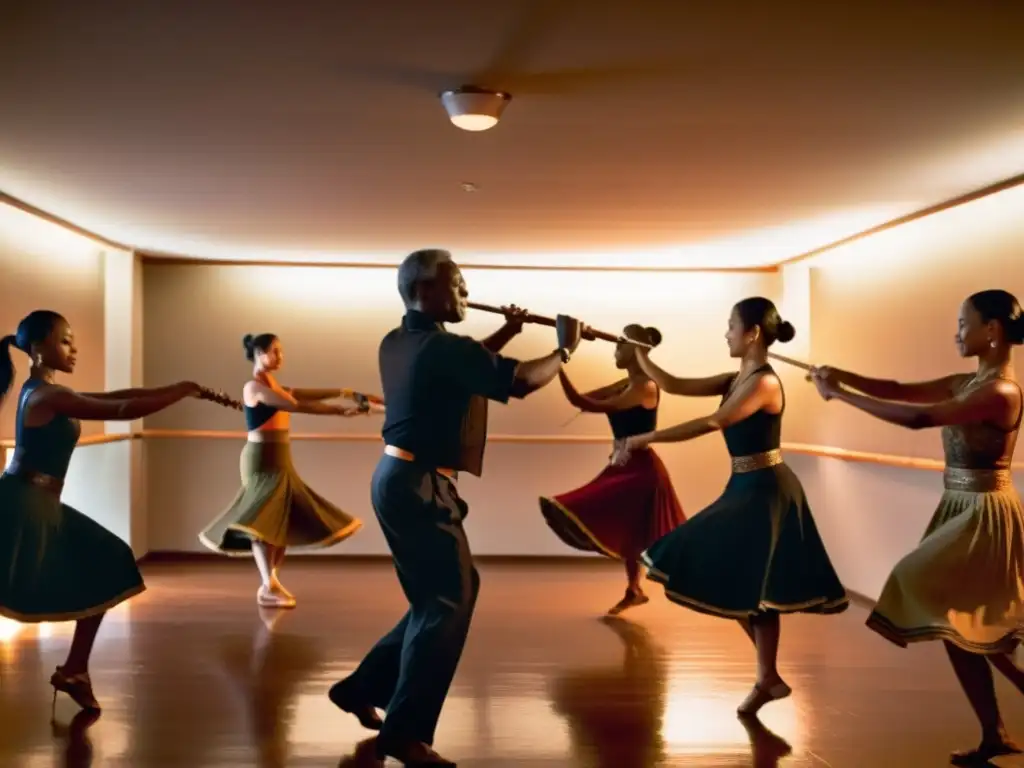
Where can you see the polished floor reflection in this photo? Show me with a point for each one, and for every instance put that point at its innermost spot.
(192, 674)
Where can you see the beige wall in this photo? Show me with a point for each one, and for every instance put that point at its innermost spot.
(46, 267)
(331, 321)
(887, 306)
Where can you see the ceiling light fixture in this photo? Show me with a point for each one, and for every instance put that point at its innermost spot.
(474, 109)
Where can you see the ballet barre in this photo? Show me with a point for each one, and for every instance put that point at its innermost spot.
(588, 333)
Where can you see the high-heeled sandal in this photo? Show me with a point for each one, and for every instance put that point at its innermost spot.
(77, 687)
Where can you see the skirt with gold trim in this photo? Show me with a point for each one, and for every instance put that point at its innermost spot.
(619, 513)
(755, 549)
(965, 581)
(276, 507)
(56, 564)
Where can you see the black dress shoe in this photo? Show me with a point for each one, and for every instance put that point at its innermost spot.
(341, 696)
(412, 755)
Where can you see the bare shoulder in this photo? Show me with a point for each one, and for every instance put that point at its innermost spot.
(252, 390)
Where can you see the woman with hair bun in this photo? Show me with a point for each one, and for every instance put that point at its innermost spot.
(755, 553)
(962, 584)
(625, 508)
(274, 509)
(57, 564)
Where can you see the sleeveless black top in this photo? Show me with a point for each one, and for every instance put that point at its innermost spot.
(633, 421)
(46, 449)
(258, 415)
(759, 432)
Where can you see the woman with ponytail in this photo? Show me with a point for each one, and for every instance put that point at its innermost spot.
(755, 553)
(274, 509)
(626, 508)
(56, 564)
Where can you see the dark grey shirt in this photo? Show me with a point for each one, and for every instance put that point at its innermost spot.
(436, 386)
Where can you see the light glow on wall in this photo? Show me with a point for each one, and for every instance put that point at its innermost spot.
(28, 233)
(757, 248)
(944, 240)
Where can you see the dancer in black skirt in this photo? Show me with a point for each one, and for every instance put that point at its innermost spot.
(755, 552)
(56, 563)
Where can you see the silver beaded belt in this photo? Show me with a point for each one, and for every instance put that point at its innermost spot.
(756, 461)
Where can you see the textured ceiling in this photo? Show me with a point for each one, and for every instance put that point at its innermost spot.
(237, 128)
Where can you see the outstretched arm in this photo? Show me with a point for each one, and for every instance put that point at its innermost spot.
(934, 391)
(752, 396)
(997, 402)
(673, 385)
(313, 395)
(127, 394)
(632, 396)
(66, 402)
(284, 401)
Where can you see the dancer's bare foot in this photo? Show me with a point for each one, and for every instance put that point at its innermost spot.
(984, 752)
(268, 597)
(630, 600)
(762, 693)
(414, 754)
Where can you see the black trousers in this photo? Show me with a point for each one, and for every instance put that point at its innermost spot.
(409, 671)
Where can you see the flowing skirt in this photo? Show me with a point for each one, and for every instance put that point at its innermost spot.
(619, 513)
(274, 506)
(56, 564)
(965, 581)
(755, 549)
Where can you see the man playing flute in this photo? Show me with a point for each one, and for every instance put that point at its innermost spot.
(436, 385)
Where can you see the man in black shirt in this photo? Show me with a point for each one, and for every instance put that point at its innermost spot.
(436, 386)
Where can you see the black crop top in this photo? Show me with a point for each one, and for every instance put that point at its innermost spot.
(633, 421)
(258, 415)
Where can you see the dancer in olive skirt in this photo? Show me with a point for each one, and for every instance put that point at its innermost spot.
(275, 509)
(755, 552)
(56, 564)
(962, 585)
(626, 508)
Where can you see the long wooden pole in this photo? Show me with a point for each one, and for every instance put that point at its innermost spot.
(588, 332)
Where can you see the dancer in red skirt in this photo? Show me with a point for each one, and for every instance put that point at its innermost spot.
(626, 508)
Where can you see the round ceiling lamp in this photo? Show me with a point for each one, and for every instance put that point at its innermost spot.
(474, 109)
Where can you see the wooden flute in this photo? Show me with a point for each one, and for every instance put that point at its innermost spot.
(588, 332)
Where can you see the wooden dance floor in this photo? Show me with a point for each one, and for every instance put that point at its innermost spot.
(191, 674)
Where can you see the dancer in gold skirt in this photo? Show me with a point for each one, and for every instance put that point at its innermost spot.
(962, 584)
(275, 509)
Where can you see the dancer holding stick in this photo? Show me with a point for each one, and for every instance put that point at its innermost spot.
(274, 509)
(755, 552)
(962, 584)
(625, 508)
(58, 564)
(436, 385)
